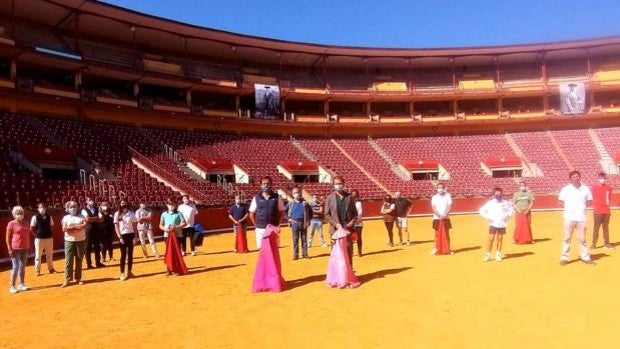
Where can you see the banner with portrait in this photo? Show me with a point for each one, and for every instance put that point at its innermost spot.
(572, 98)
(267, 101)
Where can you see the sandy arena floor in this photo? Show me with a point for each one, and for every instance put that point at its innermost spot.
(407, 298)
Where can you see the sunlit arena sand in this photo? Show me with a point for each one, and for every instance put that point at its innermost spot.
(408, 298)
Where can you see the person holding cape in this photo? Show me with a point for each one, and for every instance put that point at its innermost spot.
(339, 269)
(172, 222)
(523, 200)
(268, 272)
(442, 205)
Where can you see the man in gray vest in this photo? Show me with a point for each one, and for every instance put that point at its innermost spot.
(266, 208)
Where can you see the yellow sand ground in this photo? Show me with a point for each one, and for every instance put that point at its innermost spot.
(408, 298)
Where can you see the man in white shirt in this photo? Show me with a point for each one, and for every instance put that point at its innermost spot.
(575, 198)
(442, 205)
(189, 212)
(497, 212)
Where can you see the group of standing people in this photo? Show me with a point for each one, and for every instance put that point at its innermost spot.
(340, 210)
(89, 232)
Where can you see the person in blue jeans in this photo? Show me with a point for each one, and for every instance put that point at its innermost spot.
(316, 223)
(298, 215)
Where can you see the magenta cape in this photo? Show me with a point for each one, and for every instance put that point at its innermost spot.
(523, 234)
(441, 239)
(268, 273)
(173, 258)
(339, 270)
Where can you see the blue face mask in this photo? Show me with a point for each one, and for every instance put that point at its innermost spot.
(338, 187)
(73, 211)
(265, 187)
(498, 197)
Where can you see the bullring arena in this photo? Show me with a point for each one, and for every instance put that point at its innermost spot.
(114, 105)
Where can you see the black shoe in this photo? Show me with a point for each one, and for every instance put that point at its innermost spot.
(307, 257)
(100, 265)
(89, 266)
(295, 258)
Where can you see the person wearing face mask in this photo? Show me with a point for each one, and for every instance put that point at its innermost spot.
(441, 203)
(403, 208)
(523, 200)
(316, 223)
(266, 208)
(125, 225)
(388, 210)
(73, 226)
(171, 222)
(497, 212)
(189, 212)
(340, 212)
(238, 214)
(359, 223)
(107, 231)
(143, 215)
(41, 225)
(575, 198)
(601, 198)
(93, 233)
(298, 215)
(17, 240)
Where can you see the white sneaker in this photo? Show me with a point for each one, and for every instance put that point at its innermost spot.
(183, 253)
(13, 290)
(122, 277)
(22, 287)
(434, 252)
(498, 256)
(487, 257)
(193, 253)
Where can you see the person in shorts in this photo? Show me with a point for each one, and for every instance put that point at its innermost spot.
(497, 212)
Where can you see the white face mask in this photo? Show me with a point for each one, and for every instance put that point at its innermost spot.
(523, 188)
(237, 201)
(19, 217)
(601, 180)
(90, 203)
(41, 210)
(185, 201)
(441, 190)
(338, 187)
(104, 208)
(73, 211)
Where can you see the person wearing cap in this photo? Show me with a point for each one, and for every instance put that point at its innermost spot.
(601, 198)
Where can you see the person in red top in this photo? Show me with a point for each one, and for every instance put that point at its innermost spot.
(601, 194)
(18, 243)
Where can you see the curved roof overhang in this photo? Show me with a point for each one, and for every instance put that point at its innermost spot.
(124, 25)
